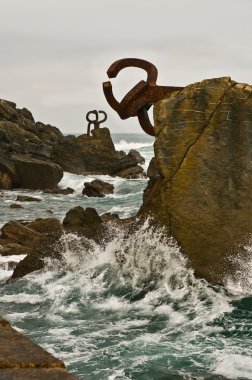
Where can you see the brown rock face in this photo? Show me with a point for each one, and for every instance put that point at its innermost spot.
(97, 188)
(203, 152)
(37, 174)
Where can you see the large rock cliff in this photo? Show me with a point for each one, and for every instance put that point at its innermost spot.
(203, 151)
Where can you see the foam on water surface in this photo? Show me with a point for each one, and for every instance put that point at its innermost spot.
(132, 308)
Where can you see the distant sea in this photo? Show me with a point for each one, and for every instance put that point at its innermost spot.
(148, 319)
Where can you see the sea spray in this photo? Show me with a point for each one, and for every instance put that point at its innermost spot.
(130, 309)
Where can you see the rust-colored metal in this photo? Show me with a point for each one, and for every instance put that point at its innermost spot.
(141, 97)
(96, 122)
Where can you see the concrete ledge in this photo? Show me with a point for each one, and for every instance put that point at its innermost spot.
(21, 359)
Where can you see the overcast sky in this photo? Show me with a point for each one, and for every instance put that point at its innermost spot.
(54, 54)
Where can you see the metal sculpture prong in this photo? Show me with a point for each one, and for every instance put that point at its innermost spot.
(96, 122)
(141, 97)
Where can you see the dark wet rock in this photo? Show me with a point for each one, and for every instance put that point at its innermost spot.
(127, 167)
(5, 181)
(27, 198)
(46, 225)
(37, 174)
(85, 222)
(152, 170)
(66, 191)
(121, 154)
(16, 232)
(36, 154)
(97, 188)
(16, 206)
(44, 247)
(137, 156)
(10, 249)
(203, 196)
(86, 154)
(132, 173)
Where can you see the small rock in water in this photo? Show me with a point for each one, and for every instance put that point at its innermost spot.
(16, 205)
(97, 188)
(66, 191)
(27, 198)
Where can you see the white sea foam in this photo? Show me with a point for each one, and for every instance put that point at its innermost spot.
(132, 294)
(127, 146)
(21, 298)
(240, 285)
(233, 366)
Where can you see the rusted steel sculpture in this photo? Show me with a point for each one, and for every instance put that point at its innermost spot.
(141, 97)
(96, 122)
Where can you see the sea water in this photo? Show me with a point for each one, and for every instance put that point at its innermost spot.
(132, 309)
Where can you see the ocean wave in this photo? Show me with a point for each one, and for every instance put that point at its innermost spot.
(137, 295)
(126, 146)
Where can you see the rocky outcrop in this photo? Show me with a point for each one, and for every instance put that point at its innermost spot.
(33, 155)
(127, 167)
(86, 154)
(97, 188)
(203, 152)
(41, 238)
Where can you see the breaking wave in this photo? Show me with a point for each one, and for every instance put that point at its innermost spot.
(133, 309)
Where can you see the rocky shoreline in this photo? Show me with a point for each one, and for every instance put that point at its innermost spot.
(34, 155)
(199, 190)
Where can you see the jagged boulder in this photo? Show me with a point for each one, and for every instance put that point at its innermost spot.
(97, 188)
(203, 152)
(127, 167)
(37, 174)
(137, 156)
(86, 154)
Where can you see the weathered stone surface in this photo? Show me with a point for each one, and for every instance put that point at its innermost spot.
(125, 162)
(203, 152)
(97, 188)
(137, 156)
(41, 239)
(45, 225)
(85, 222)
(5, 181)
(8, 249)
(131, 173)
(152, 170)
(44, 247)
(86, 154)
(15, 232)
(31, 151)
(37, 174)
(21, 359)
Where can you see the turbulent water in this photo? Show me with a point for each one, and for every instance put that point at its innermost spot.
(132, 309)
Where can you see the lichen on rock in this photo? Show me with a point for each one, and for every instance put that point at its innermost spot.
(203, 152)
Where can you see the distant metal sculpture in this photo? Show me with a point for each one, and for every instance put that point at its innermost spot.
(96, 122)
(141, 97)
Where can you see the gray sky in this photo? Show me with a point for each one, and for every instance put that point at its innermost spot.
(54, 54)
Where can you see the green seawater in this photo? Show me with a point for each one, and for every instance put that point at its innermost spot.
(132, 309)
